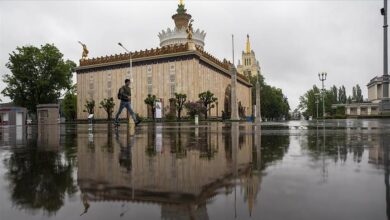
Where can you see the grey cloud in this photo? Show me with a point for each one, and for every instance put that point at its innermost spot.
(293, 40)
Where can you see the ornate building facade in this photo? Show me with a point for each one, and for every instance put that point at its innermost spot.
(174, 67)
(250, 66)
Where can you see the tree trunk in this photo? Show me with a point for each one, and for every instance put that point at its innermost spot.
(205, 113)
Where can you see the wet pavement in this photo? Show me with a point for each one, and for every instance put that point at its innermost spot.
(296, 170)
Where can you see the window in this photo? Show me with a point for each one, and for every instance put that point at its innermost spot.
(149, 79)
(90, 95)
(4, 117)
(43, 113)
(91, 81)
(173, 88)
(109, 79)
(172, 78)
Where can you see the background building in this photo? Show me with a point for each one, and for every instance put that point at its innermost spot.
(371, 106)
(250, 66)
(12, 115)
(175, 67)
(375, 89)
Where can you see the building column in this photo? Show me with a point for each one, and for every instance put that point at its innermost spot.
(234, 104)
(258, 106)
(348, 110)
(358, 110)
(369, 110)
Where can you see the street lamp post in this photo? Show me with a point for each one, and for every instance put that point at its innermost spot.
(385, 59)
(130, 61)
(130, 74)
(317, 101)
(322, 77)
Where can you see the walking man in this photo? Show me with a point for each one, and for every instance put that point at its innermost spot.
(124, 94)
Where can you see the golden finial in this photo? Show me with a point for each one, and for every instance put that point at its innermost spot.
(181, 2)
(248, 44)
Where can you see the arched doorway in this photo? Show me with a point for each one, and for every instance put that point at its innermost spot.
(227, 102)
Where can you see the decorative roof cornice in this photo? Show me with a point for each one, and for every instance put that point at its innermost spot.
(134, 55)
(158, 52)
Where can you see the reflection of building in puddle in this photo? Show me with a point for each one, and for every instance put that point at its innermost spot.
(181, 184)
(379, 155)
(49, 137)
(173, 212)
(13, 135)
(379, 150)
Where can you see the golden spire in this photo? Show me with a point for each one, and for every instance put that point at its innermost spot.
(248, 44)
(181, 2)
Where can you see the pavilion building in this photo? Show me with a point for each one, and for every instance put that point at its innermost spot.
(175, 67)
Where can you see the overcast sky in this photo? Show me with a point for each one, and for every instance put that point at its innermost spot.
(293, 40)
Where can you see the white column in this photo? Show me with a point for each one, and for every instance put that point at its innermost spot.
(369, 110)
(358, 110)
(258, 108)
(234, 104)
(348, 110)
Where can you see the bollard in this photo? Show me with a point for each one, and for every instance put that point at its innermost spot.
(196, 119)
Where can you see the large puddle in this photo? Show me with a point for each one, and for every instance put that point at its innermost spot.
(297, 170)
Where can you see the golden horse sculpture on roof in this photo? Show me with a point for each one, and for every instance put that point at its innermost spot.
(190, 30)
(85, 51)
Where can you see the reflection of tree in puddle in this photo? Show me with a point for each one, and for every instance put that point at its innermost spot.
(39, 178)
(338, 146)
(273, 148)
(108, 147)
(181, 142)
(177, 143)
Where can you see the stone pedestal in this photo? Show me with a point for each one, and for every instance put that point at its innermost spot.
(234, 104)
(48, 113)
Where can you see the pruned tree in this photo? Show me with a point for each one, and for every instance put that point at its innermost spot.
(180, 99)
(150, 101)
(207, 98)
(108, 106)
(89, 106)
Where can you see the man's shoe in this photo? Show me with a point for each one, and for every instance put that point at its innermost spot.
(139, 121)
